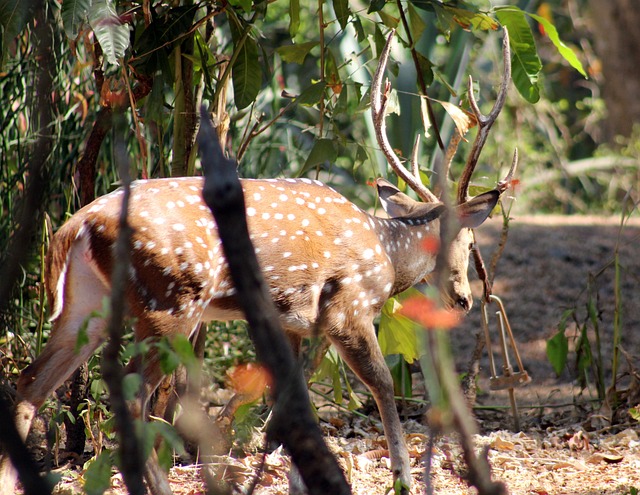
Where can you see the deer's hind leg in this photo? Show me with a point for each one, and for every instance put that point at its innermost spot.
(75, 335)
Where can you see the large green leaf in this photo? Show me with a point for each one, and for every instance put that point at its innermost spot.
(324, 150)
(341, 8)
(558, 351)
(97, 477)
(14, 15)
(296, 53)
(563, 49)
(525, 63)
(417, 24)
(74, 14)
(397, 333)
(112, 35)
(245, 71)
(312, 95)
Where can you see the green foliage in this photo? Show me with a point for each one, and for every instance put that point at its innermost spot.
(558, 346)
(74, 13)
(558, 351)
(112, 35)
(14, 15)
(97, 476)
(332, 369)
(566, 52)
(397, 333)
(525, 62)
(247, 76)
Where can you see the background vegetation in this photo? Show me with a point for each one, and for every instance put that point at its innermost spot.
(287, 82)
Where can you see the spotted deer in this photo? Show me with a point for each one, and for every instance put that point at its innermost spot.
(329, 264)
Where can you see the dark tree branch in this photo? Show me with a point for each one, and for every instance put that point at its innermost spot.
(293, 422)
(132, 464)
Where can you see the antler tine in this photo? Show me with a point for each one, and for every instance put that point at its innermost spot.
(485, 121)
(504, 184)
(415, 166)
(378, 112)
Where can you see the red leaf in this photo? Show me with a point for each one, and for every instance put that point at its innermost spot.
(250, 380)
(431, 244)
(427, 313)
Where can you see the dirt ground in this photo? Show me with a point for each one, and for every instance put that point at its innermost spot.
(565, 446)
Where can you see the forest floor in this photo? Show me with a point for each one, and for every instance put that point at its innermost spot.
(566, 446)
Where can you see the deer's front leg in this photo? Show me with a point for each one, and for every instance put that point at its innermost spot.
(358, 346)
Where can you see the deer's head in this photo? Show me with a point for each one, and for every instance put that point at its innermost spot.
(458, 218)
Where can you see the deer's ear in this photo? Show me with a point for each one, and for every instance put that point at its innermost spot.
(393, 201)
(475, 211)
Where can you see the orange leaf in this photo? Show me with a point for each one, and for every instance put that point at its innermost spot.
(427, 313)
(250, 380)
(431, 244)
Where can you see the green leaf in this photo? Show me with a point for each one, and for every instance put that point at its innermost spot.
(376, 6)
(331, 74)
(557, 351)
(245, 71)
(342, 105)
(312, 95)
(243, 4)
(184, 350)
(563, 49)
(402, 383)
(469, 19)
(584, 356)
(111, 34)
(168, 358)
(444, 20)
(388, 20)
(416, 23)
(426, 67)
(74, 14)
(324, 150)
(131, 385)
(14, 15)
(397, 333)
(296, 53)
(341, 8)
(525, 63)
(330, 369)
(97, 477)
(294, 17)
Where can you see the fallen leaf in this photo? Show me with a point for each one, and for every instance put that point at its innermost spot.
(499, 443)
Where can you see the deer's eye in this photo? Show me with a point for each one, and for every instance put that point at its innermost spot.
(472, 245)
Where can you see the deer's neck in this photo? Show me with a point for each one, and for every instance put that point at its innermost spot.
(407, 244)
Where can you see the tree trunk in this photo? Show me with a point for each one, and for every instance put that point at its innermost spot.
(617, 42)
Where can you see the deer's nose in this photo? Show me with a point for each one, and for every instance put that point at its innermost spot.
(464, 303)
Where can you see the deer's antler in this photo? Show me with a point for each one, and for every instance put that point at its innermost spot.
(379, 101)
(484, 124)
